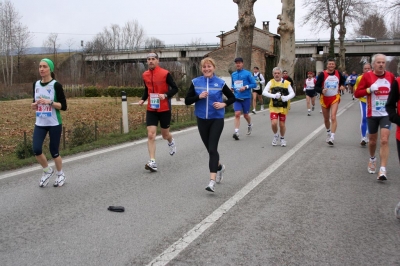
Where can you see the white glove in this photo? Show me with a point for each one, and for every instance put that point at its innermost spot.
(304, 89)
(277, 95)
(373, 87)
(284, 98)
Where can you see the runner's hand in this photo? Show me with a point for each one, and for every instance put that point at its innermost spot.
(373, 87)
(277, 95)
(284, 98)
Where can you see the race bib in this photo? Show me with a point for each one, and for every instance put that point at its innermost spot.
(44, 110)
(237, 84)
(154, 101)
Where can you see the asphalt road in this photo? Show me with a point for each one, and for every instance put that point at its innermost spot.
(304, 204)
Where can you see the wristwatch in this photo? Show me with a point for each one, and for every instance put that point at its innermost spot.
(51, 102)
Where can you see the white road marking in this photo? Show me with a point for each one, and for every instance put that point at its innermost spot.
(172, 251)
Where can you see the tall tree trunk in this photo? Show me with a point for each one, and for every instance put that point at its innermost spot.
(332, 40)
(287, 58)
(342, 49)
(245, 27)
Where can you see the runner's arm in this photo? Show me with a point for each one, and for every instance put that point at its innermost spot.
(191, 96)
(172, 85)
(392, 103)
(145, 93)
(266, 92)
(319, 83)
(229, 94)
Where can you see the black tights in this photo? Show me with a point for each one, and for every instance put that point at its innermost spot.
(210, 131)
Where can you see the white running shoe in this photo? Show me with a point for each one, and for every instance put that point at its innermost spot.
(236, 135)
(363, 141)
(172, 147)
(275, 140)
(312, 108)
(211, 186)
(397, 211)
(262, 107)
(320, 111)
(45, 177)
(330, 142)
(308, 113)
(283, 143)
(151, 165)
(372, 166)
(328, 137)
(249, 129)
(60, 180)
(220, 174)
(253, 111)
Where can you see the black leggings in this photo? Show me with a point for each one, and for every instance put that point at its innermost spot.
(39, 134)
(210, 131)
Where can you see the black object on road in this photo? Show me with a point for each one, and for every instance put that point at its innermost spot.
(116, 208)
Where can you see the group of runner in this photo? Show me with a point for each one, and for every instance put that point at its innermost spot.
(377, 89)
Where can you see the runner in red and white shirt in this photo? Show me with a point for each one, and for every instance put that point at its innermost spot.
(376, 86)
(309, 89)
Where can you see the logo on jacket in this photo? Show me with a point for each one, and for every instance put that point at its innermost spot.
(215, 84)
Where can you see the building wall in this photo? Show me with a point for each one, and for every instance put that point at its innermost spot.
(224, 60)
(260, 39)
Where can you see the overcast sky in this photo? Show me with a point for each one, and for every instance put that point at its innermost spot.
(172, 21)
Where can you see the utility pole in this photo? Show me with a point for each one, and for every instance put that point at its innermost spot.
(222, 38)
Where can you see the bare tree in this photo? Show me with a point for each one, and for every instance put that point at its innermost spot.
(132, 35)
(9, 20)
(51, 44)
(245, 27)
(373, 25)
(321, 14)
(21, 43)
(287, 57)
(153, 42)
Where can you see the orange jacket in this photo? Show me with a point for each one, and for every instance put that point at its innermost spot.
(156, 82)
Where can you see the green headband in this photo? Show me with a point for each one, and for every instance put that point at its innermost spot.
(50, 63)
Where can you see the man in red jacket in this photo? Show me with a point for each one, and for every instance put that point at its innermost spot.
(376, 86)
(159, 88)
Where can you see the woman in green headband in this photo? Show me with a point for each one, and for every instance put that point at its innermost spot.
(48, 100)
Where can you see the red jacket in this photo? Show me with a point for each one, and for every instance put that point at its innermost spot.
(156, 82)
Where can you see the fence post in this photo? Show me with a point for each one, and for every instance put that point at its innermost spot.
(124, 112)
(25, 145)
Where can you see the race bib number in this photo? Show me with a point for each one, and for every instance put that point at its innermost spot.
(238, 84)
(154, 101)
(43, 111)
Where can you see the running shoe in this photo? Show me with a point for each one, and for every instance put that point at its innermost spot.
(382, 176)
(249, 129)
(283, 143)
(372, 166)
(328, 137)
(151, 165)
(220, 174)
(253, 111)
(330, 141)
(308, 113)
(320, 111)
(363, 141)
(172, 147)
(60, 180)
(262, 107)
(312, 108)
(45, 177)
(236, 135)
(211, 186)
(275, 140)
(397, 211)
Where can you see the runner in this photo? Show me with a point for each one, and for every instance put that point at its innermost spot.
(157, 82)
(376, 86)
(242, 83)
(393, 109)
(363, 108)
(309, 89)
(257, 91)
(329, 82)
(352, 82)
(207, 93)
(48, 100)
(280, 91)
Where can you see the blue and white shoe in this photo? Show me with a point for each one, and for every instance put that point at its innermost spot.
(45, 177)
